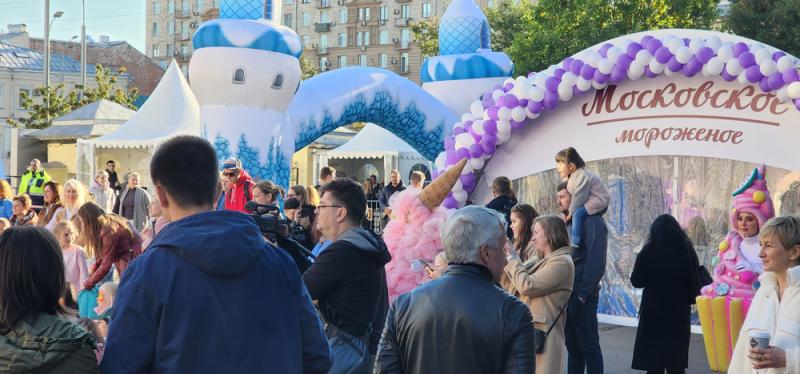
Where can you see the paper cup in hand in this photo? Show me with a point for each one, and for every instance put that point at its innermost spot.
(759, 339)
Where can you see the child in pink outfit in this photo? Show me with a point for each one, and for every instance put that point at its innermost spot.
(75, 265)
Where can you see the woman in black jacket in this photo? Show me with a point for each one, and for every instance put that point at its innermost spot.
(503, 200)
(667, 270)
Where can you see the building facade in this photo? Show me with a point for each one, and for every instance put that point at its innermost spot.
(170, 26)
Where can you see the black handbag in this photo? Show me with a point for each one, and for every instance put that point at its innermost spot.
(540, 336)
(704, 276)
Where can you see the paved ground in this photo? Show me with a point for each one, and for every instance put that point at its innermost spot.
(617, 344)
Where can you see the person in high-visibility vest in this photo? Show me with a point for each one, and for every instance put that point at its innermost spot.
(32, 183)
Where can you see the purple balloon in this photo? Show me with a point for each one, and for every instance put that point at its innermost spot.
(600, 77)
(462, 153)
(587, 71)
(551, 83)
(450, 202)
(727, 76)
(753, 74)
(489, 127)
(475, 151)
(618, 75)
(649, 73)
(575, 91)
(559, 73)
(646, 39)
(747, 59)
(501, 101)
(797, 104)
(550, 100)
(449, 143)
(451, 158)
(511, 101)
(674, 65)
(508, 86)
(633, 49)
(468, 126)
(764, 84)
(653, 46)
(489, 139)
(534, 107)
(739, 48)
(775, 81)
(686, 42)
(704, 55)
(489, 148)
(604, 49)
(468, 178)
(567, 63)
(663, 55)
(492, 111)
(575, 66)
(517, 125)
(459, 131)
(624, 62)
(790, 76)
(694, 66)
(487, 101)
(777, 55)
(523, 102)
(687, 71)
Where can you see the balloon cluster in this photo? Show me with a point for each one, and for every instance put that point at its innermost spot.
(507, 108)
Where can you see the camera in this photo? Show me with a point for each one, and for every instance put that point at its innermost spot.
(285, 234)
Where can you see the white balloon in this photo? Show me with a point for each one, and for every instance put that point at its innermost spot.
(460, 195)
(477, 127)
(785, 63)
(593, 58)
(657, 67)
(584, 84)
(503, 127)
(440, 161)
(725, 53)
(714, 66)
(635, 71)
(794, 90)
(733, 67)
(564, 91)
(504, 114)
(503, 137)
(520, 90)
(684, 55)
(536, 93)
(613, 53)
(464, 140)
(476, 108)
(762, 55)
(742, 79)
(598, 86)
(606, 66)
(518, 114)
(674, 45)
(643, 57)
(496, 94)
(768, 67)
(695, 44)
(714, 43)
(783, 94)
(569, 78)
(476, 163)
(458, 186)
(508, 80)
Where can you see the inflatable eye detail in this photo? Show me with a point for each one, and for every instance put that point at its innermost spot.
(278, 82)
(239, 75)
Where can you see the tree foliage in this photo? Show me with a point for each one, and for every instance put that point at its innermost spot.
(307, 69)
(426, 34)
(55, 102)
(774, 22)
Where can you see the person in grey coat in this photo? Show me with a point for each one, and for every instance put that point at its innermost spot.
(133, 203)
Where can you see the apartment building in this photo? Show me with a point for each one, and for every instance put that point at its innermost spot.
(170, 25)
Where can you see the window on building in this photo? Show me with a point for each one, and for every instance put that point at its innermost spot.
(323, 43)
(383, 37)
(185, 50)
(277, 83)
(287, 20)
(170, 50)
(171, 6)
(27, 91)
(360, 14)
(157, 7)
(342, 61)
(239, 75)
(306, 19)
(155, 51)
(383, 60)
(359, 38)
(2, 97)
(306, 40)
(288, 2)
(216, 4)
(323, 63)
(405, 10)
(426, 10)
(171, 27)
(155, 28)
(366, 37)
(185, 7)
(384, 13)
(362, 60)
(366, 14)
(199, 6)
(306, 1)
(405, 37)
(404, 62)
(324, 17)
(343, 16)
(185, 28)
(342, 39)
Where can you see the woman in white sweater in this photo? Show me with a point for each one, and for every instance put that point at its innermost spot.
(776, 305)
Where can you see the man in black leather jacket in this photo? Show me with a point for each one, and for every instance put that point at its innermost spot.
(462, 322)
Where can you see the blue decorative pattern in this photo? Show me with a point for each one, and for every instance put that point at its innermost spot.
(460, 35)
(408, 123)
(266, 35)
(276, 168)
(241, 9)
(466, 66)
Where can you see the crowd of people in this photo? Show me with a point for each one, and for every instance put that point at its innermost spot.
(119, 278)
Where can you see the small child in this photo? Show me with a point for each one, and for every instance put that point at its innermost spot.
(4, 224)
(76, 268)
(589, 194)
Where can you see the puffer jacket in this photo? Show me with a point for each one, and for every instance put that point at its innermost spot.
(779, 318)
(48, 344)
(460, 323)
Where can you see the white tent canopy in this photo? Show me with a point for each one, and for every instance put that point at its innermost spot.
(374, 142)
(170, 111)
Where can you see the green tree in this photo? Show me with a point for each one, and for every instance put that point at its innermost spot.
(426, 34)
(307, 68)
(774, 22)
(55, 102)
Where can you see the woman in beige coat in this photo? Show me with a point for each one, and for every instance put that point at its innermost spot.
(545, 285)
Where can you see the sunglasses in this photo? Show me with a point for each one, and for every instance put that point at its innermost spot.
(231, 174)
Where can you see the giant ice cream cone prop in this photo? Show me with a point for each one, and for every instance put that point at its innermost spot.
(722, 305)
(414, 233)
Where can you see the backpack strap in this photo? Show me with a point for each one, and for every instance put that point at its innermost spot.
(248, 191)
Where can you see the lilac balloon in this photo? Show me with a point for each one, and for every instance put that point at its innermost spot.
(511, 101)
(775, 81)
(501, 101)
(624, 62)
(559, 73)
(489, 148)
(663, 55)
(449, 143)
(468, 125)
(531, 74)
(694, 66)
(764, 84)
(727, 76)
(600, 77)
(654, 45)
(523, 102)
(739, 48)
(575, 66)
(534, 107)
(618, 75)
(633, 49)
(434, 174)
(550, 100)
(450, 202)
(492, 111)
(551, 83)
(459, 131)
(475, 151)
(704, 55)
(790, 76)
(747, 59)
(489, 126)
(797, 104)
(604, 49)
(517, 125)
(468, 179)
(451, 158)
(686, 42)
(649, 73)
(487, 101)
(753, 74)
(674, 65)
(508, 86)
(646, 39)
(777, 55)
(462, 153)
(587, 71)
(687, 71)
(575, 92)
(489, 139)
(567, 63)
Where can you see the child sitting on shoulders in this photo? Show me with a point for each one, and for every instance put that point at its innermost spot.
(589, 194)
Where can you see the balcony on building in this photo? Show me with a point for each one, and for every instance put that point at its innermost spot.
(402, 22)
(402, 44)
(184, 14)
(322, 4)
(320, 50)
(403, 1)
(184, 36)
(322, 27)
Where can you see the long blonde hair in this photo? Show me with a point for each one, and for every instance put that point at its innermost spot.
(5, 190)
(80, 200)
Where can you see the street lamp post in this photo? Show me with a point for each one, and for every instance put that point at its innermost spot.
(47, 25)
(83, 47)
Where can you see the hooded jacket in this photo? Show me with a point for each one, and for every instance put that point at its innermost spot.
(48, 344)
(211, 296)
(241, 192)
(349, 281)
(387, 192)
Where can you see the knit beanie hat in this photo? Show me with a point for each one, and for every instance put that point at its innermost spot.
(753, 197)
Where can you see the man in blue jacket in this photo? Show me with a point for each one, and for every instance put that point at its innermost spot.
(209, 295)
(582, 337)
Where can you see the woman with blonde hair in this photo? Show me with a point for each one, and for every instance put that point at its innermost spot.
(5, 200)
(53, 211)
(102, 191)
(75, 195)
(313, 196)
